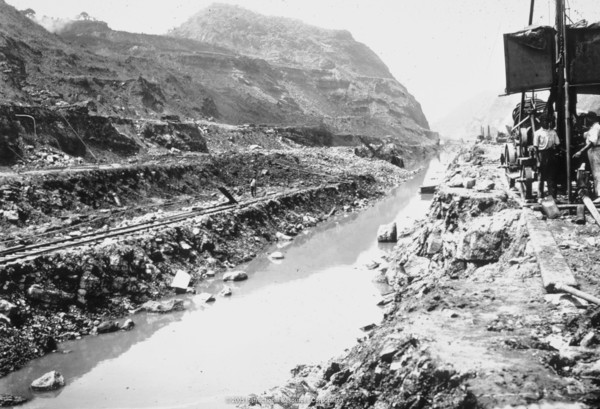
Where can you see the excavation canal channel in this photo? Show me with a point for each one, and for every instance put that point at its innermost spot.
(303, 309)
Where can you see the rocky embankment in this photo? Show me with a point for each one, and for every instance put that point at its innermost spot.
(468, 324)
(93, 288)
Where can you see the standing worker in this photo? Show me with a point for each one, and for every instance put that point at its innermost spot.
(593, 153)
(591, 136)
(253, 187)
(545, 140)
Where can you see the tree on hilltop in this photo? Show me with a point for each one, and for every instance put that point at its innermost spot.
(30, 13)
(85, 16)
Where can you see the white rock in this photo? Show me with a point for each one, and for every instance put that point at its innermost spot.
(127, 324)
(162, 306)
(311, 221)
(485, 185)
(235, 276)
(416, 266)
(181, 280)
(281, 236)
(277, 255)
(7, 308)
(48, 382)
(226, 291)
(206, 297)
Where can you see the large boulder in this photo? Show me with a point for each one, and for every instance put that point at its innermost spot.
(435, 243)
(48, 382)
(485, 185)
(8, 309)
(49, 295)
(226, 291)
(456, 181)
(89, 283)
(416, 266)
(127, 325)
(162, 307)
(486, 237)
(277, 255)
(235, 276)
(108, 326)
(387, 233)
(206, 297)
(181, 281)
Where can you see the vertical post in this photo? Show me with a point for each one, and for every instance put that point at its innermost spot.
(531, 12)
(563, 87)
(562, 110)
(522, 106)
(567, 103)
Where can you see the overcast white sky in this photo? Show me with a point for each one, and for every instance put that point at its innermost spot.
(443, 51)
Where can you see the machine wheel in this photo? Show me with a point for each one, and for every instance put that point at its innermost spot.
(510, 153)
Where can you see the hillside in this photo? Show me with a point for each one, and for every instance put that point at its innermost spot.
(326, 72)
(342, 85)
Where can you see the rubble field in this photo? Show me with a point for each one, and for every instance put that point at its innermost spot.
(469, 323)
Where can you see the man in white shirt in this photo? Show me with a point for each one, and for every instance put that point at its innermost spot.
(591, 137)
(593, 152)
(545, 141)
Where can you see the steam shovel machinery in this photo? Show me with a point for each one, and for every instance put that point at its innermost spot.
(563, 62)
(521, 165)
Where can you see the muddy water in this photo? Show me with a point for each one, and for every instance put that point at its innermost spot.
(305, 308)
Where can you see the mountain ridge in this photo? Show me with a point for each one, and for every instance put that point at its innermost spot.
(141, 75)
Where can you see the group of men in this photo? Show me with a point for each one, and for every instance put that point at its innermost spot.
(545, 144)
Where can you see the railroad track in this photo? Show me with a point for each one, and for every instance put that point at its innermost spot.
(108, 214)
(24, 252)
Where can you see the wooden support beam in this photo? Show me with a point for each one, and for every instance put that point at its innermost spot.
(228, 195)
(568, 289)
(553, 266)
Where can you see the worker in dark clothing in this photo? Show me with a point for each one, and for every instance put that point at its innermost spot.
(253, 187)
(545, 142)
